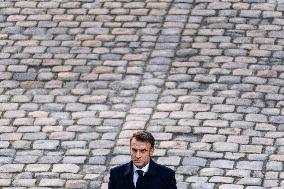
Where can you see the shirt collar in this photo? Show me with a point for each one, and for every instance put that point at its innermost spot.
(152, 168)
(144, 169)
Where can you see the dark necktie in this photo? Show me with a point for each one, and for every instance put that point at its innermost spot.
(139, 180)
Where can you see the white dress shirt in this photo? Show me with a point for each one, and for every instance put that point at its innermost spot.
(135, 175)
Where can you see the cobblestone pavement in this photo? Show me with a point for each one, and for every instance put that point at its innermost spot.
(77, 78)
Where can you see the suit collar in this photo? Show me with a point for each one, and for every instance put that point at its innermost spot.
(129, 169)
(128, 174)
(152, 168)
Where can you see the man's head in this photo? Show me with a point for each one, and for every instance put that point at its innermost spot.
(141, 148)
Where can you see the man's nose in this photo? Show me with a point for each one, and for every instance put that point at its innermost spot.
(138, 154)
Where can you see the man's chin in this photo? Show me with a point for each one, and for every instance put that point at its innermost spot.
(138, 164)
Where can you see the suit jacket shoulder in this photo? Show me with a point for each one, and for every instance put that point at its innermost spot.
(120, 176)
(156, 168)
(164, 176)
(157, 177)
(165, 169)
(119, 168)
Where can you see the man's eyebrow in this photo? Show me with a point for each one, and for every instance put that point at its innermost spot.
(138, 149)
(144, 149)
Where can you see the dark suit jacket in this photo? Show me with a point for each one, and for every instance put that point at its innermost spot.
(157, 177)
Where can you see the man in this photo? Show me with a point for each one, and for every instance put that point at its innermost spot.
(142, 172)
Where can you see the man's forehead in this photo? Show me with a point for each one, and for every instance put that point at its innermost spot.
(137, 143)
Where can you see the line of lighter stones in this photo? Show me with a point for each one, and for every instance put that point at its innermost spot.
(129, 114)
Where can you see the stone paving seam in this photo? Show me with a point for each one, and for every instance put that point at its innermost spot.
(110, 163)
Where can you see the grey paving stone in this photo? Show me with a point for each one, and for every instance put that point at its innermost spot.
(11, 168)
(233, 186)
(273, 166)
(50, 159)
(194, 161)
(72, 168)
(223, 108)
(52, 182)
(253, 165)
(222, 164)
(225, 146)
(78, 78)
(218, 179)
(46, 144)
(250, 181)
(211, 171)
(5, 182)
(5, 160)
(77, 184)
(203, 185)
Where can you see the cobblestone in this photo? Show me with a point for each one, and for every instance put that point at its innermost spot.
(78, 78)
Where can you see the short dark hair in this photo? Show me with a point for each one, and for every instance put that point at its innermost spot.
(144, 136)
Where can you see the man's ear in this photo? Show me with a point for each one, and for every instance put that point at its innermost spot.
(152, 151)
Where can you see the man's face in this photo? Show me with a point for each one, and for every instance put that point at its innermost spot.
(140, 152)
